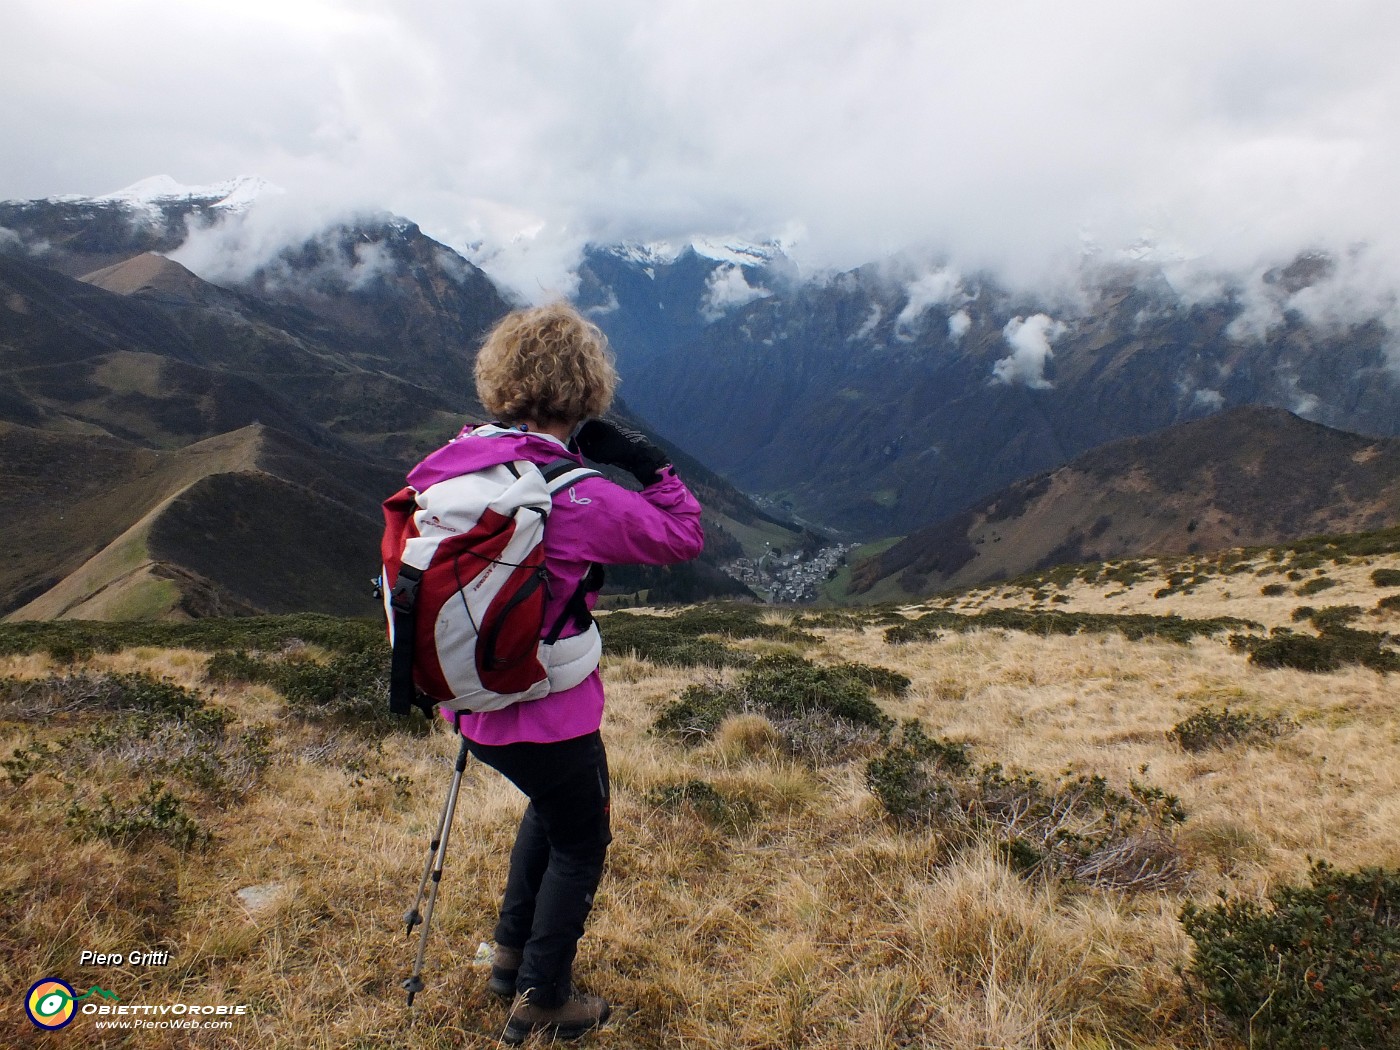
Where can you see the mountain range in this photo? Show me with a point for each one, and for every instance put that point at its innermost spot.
(882, 399)
(172, 370)
(1241, 478)
(177, 447)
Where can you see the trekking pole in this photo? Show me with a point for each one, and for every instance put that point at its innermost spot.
(437, 854)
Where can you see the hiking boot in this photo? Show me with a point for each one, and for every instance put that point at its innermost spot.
(580, 1013)
(505, 964)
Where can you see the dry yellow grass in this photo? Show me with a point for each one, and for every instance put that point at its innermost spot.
(817, 925)
(1231, 595)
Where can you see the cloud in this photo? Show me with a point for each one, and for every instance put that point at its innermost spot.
(1209, 400)
(726, 289)
(1029, 339)
(998, 133)
(958, 325)
(371, 261)
(939, 288)
(868, 326)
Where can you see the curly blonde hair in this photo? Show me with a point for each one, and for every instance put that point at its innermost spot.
(546, 365)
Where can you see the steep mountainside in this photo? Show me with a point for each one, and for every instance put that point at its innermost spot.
(1246, 477)
(880, 399)
(354, 350)
(243, 522)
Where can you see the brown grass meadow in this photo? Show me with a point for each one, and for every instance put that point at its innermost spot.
(813, 922)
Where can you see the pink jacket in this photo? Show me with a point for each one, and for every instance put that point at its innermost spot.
(593, 521)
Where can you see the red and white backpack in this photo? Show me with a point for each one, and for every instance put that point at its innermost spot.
(464, 590)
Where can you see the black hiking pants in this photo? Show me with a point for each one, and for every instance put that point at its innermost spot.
(557, 860)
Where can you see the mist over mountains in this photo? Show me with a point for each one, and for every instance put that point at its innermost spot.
(874, 402)
(882, 399)
(190, 447)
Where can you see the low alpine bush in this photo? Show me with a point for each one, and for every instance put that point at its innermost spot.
(1075, 828)
(814, 709)
(1316, 967)
(1208, 729)
(1329, 651)
(156, 813)
(1315, 586)
(727, 811)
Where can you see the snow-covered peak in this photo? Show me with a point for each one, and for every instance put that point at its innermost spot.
(234, 194)
(736, 251)
(654, 253)
(733, 250)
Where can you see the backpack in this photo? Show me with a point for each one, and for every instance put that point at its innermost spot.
(464, 589)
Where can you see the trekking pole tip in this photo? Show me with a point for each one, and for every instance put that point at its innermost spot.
(411, 919)
(412, 985)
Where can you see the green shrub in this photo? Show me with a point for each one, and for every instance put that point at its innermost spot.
(238, 667)
(266, 633)
(1208, 729)
(1316, 968)
(790, 685)
(1389, 602)
(155, 814)
(880, 679)
(1322, 583)
(737, 621)
(805, 703)
(698, 712)
(40, 699)
(33, 758)
(1332, 617)
(66, 652)
(1273, 590)
(1386, 577)
(849, 619)
(196, 749)
(351, 688)
(912, 779)
(666, 640)
(1076, 828)
(1134, 626)
(1329, 651)
(728, 811)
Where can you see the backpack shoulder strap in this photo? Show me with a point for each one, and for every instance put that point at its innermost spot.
(559, 474)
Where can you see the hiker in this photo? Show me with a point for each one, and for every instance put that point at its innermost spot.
(542, 372)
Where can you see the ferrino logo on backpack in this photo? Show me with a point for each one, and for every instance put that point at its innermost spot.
(464, 591)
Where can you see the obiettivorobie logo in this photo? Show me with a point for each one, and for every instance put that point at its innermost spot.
(51, 1003)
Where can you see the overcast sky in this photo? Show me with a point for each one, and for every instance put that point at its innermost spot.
(999, 131)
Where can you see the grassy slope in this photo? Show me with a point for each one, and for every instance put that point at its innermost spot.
(838, 588)
(820, 925)
(234, 488)
(66, 499)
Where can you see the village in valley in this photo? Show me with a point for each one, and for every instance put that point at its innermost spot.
(790, 578)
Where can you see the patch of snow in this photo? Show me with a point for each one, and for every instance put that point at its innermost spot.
(654, 253)
(235, 194)
(736, 252)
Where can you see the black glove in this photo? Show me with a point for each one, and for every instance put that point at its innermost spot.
(619, 446)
